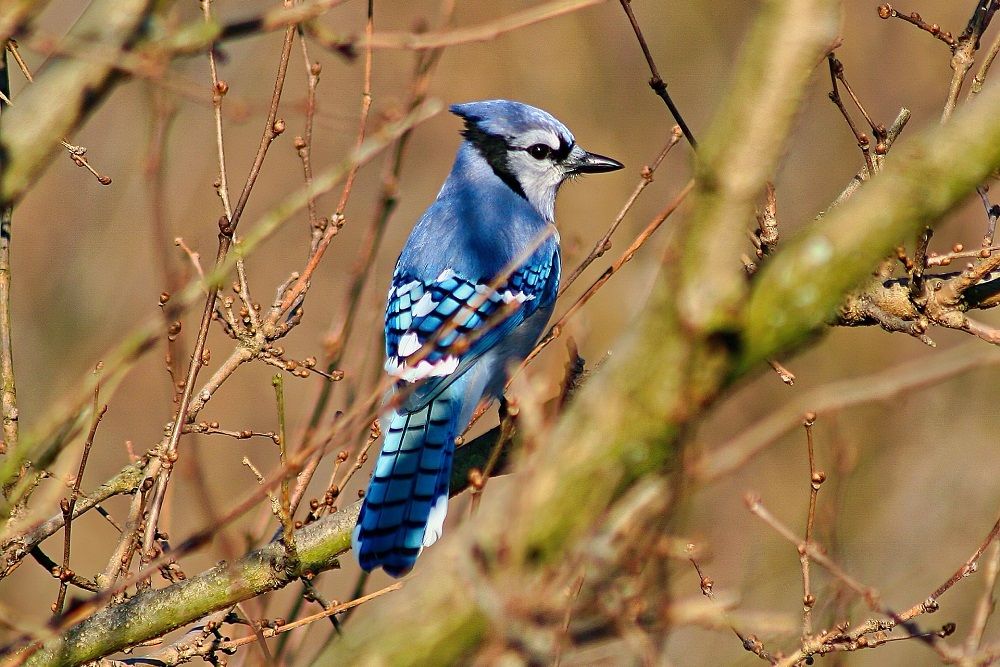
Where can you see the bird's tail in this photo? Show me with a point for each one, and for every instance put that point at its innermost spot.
(407, 498)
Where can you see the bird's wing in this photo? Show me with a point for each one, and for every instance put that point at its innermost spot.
(461, 318)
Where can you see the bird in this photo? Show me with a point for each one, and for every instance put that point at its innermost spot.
(472, 291)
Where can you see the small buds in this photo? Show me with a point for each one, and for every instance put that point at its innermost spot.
(278, 127)
(221, 87)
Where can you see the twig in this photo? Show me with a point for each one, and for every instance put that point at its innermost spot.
(864, 143)
(303, 144)
(863, 174)
(980, 78)
(11, 45)
(227, 229)
(964, 51)
(556, 329)
(816, 478)
(219, 90)
(335, 609)
(987, 602)
(212, 428)
(321, 238)
(366, 105)
(571, 595)
(835, 396)
(750, 642)
(480, 33)
(78, 154)
(656, 82)
(869, 595)
(966, 569)
(604, 243)
(287, 523)
(164, 113)
(784, 374)
(62, 574)
(8, 386)
(886, 11)
(479, 478)
(68, 506)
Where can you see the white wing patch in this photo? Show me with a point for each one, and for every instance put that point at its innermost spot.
(397, 367)
(520, 297)
(445, 275)
(403, 289)
(425, 305)
(435, 521)
(408, 344)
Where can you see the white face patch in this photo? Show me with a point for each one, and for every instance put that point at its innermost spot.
(539, 179)
(435, 521)
(425, 305)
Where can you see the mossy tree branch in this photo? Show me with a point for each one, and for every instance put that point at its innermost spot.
(923, 179)
(156, 612)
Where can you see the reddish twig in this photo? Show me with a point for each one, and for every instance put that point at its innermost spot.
(656, 81)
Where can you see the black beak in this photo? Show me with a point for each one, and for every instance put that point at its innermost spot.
(592, 163)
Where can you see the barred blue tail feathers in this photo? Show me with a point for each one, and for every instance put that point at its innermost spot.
(407, 499)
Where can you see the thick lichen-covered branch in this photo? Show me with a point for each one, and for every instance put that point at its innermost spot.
(156, 612)
(732, 170)
(924, 179)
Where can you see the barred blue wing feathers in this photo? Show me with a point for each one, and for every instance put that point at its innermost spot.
(462, 316)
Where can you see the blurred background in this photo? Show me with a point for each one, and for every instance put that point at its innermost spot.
(913, 480)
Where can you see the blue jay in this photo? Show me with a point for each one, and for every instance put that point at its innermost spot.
(472, 291)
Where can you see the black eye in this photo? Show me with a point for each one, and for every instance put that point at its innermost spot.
(539, 151)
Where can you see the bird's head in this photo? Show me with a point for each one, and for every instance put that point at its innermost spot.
(528, 148)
